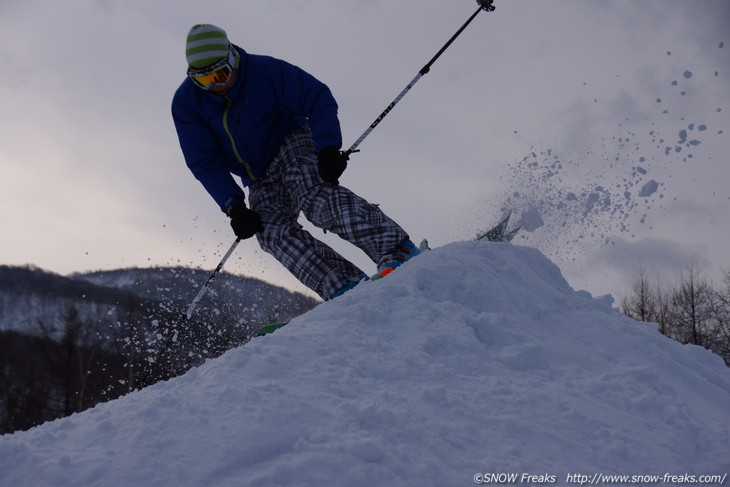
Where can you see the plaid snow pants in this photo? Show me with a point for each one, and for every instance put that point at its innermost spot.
(292, 185)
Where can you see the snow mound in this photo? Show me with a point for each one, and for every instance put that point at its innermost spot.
(472, 358)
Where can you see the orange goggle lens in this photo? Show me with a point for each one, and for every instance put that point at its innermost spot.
(211, 78)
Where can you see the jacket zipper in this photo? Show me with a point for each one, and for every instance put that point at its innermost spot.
(233, 141)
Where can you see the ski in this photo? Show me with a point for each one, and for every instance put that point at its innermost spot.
(498, 233)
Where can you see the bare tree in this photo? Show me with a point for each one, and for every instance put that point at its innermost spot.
(691, 308)
(24, 385)
(720, 308)
(642, 303)
(664, 309)
(70, 363)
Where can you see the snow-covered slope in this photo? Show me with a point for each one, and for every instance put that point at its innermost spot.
(473, 358)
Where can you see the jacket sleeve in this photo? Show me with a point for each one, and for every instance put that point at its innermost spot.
(303, 94)
(203, 155)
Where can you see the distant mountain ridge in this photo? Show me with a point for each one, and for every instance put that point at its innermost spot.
(29, 295)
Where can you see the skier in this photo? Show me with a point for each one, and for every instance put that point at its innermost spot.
(276, 127)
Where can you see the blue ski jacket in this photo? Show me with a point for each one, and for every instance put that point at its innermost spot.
(240, 133)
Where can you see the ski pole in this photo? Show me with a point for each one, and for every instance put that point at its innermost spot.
(204, 289)
(483, 5)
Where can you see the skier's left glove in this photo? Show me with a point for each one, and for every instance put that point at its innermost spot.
(245, 223)
(331, 164)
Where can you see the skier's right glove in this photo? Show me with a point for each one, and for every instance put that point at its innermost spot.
(245, 223)
(331, 164)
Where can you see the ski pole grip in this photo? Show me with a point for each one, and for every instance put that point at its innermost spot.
(487, 5)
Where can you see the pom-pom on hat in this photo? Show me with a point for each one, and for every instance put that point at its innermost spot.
(206, 45)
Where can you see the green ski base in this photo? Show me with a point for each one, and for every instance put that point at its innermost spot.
(271, 328)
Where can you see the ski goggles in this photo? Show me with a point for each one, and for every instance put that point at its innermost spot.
(216, 74)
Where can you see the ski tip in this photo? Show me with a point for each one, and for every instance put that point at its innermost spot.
(499, 232)
(509, 236)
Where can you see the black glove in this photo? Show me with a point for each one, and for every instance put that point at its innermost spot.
(331, 164)
(245, 222)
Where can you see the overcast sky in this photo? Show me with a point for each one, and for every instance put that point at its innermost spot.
(566, 110)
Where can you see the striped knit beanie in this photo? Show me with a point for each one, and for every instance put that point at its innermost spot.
(206, 45)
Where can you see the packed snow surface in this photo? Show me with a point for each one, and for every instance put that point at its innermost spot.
(471, 359)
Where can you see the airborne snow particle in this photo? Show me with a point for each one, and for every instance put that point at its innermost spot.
(532, 220)
(649, 189)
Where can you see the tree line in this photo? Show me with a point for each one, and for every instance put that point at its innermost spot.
(692, 311)
(72, 364)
